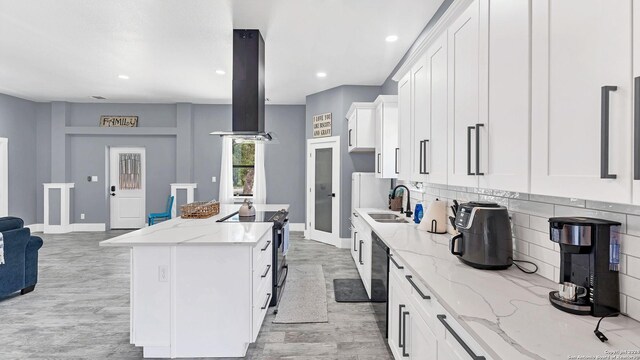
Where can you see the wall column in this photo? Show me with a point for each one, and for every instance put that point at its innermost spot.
(184, 143)
(58, 142)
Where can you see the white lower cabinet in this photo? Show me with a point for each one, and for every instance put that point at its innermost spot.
(361, 251)
(419, 326)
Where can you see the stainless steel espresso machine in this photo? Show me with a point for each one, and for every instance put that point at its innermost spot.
(589, 265)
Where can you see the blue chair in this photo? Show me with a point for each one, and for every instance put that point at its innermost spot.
(20, 270)
(162, 216)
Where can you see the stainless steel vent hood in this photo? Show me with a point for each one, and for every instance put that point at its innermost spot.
(248, 88)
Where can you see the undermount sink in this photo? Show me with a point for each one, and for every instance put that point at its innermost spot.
(387, 218)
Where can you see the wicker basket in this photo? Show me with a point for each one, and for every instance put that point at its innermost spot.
(200, 210)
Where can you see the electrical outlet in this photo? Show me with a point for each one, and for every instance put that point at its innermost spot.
(163, 273)
(213, 179)
(81, 216)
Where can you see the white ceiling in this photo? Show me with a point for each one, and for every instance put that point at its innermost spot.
(70, 50)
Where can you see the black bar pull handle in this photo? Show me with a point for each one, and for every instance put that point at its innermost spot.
(464, 345)
(266, 246)
(379, 163)
(360, 255)
(424, 158)
(404, 334)
(400, 307)
(422, 295)
(350, 137)
(266, 303)
(469, 129)
(395, 262)
(355, 234)
(420, 159)
(636, 129)
(604, 132)
(397, 150)
(266, 271)
(478, 126)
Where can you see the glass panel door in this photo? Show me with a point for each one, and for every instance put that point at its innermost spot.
(324, 190)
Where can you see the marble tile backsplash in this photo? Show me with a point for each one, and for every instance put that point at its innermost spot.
(529, 215)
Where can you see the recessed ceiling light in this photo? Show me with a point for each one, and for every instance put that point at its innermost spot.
(123, 77)
(391, 38)
(220, 72)
(321, 74)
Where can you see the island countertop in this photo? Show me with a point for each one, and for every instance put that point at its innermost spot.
(179, 231)
(507, 312)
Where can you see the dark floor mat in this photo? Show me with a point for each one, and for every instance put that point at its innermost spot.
(352, 290)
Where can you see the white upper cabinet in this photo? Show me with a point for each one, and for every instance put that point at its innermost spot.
(420, 118)
(361, 134)
(386, 141)
(581, 99)
(636, 105)
(405, 152)
(504, 138)
(464, 113)
(435, 150)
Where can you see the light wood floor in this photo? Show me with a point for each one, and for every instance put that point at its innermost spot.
(80, 309)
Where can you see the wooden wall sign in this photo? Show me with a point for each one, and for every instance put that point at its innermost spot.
(118, 121)
(322, 125)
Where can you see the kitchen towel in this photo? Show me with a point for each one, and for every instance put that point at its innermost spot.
(1, 249)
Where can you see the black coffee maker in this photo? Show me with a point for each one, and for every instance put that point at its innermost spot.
(589, 265)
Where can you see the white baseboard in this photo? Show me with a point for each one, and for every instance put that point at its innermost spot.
(35, 227)
(297, 227)
(63, 229)
(345, 243)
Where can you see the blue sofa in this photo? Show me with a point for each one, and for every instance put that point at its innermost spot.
(20, 270)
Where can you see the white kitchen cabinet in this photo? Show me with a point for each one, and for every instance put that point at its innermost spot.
(455, 343)
(581, 99)
(386, 140)
(361, 251)
(636, 105)
(361, 133)
(405, 152)
(435, 150)
(467, 76)
(504, 138)
(419, 118)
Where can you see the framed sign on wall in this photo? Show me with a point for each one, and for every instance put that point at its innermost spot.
(118, 121)
(322, 125)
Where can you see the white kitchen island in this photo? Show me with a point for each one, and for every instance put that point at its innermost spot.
(199, 288)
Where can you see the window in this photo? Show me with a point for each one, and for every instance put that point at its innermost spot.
(244, 154)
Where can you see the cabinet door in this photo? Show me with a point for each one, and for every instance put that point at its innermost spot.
(396, 302)
(421, 342)
(390, 140)
(404, 132)
(379, 115)
(504, 139)
(581, 93)
(351, 135)
(365, 129)
(436, 148)
(420, 118)
(636, 105)
(464, 96)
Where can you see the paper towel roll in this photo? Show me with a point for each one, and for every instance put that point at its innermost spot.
(435, 218)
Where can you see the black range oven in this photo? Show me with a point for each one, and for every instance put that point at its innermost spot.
(280, 239)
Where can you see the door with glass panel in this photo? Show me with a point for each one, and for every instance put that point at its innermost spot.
(323, 196)
(127, 187)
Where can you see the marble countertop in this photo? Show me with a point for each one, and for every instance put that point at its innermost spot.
(179, 231)
(507, 312)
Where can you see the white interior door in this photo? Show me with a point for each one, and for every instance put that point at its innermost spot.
(4, 177)
(323, 189)
(127, 187)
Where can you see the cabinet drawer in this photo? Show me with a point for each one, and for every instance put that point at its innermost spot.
(261, 275)
(454, 342)
(396, 265)
(262, 249)
(260, 307)
(423, 301)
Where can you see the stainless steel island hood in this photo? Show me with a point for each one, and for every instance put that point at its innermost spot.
(248, 88)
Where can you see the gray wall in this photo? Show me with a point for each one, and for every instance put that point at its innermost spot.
(337, 101)
(18, 124)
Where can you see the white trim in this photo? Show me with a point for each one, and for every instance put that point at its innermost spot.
(35, 227)
(345, 243)
(174, 192)
(422, 44)
(4, 177)
(332, 238)
(297, 227)
(65, 195)
(63, 229)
